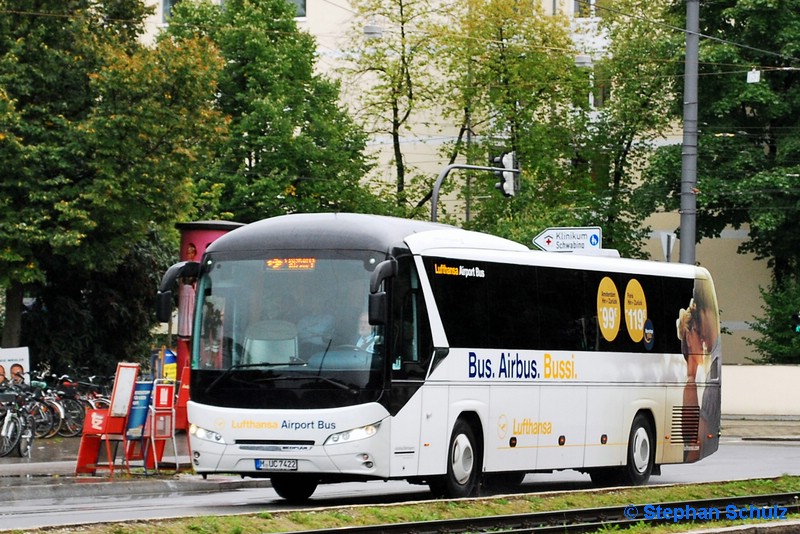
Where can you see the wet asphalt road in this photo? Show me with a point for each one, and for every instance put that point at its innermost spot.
(48, 477)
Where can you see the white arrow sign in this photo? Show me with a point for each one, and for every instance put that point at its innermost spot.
(577, 239)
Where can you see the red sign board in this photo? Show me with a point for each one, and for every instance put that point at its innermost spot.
(164, 396)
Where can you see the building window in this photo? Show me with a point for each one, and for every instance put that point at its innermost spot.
(301, 7)
(167, 9)
(167, 6)
(583, 8)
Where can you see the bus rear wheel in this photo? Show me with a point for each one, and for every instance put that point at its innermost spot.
(641, 452)
(295, 488)
(463, 464)
(640, 459)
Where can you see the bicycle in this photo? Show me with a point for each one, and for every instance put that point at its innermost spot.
(16, 434)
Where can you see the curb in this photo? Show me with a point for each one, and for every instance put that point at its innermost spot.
(770, 438)
(81, 487)
(26, 481)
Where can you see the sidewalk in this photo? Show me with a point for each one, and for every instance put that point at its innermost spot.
(760, 428)
(50, 473)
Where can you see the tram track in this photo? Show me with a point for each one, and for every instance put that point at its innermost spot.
(762, 508)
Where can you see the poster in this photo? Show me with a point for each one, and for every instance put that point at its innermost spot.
(15, 361)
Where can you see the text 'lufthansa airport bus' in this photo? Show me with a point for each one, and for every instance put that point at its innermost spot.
(340, 347)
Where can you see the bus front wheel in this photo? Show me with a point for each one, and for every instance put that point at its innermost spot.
(463, 464)
(294, 488)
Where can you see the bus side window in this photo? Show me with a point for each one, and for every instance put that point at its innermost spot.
(565, 323)
(412, 345)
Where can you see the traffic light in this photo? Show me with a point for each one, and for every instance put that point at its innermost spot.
(508, 184)
(796, 321)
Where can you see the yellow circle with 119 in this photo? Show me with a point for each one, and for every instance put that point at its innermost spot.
(635, 310)
(608, 309)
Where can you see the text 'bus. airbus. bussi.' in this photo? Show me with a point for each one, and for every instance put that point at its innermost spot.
(340, 347)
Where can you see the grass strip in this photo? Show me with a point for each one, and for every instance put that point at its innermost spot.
(361, 515)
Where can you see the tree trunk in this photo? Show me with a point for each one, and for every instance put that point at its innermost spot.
(12, 329)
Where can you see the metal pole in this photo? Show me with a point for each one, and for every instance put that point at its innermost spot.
(689, 147)
(469, 150)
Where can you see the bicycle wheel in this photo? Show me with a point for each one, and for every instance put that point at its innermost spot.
(24, 446)
(43, 417)
(57, 410)
(10, 434)
(101, 403)
(73, 418)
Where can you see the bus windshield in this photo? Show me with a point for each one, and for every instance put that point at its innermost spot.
(289, 329)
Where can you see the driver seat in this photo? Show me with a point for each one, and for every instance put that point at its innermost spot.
(270, 342)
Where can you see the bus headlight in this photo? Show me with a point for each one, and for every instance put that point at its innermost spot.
(206, 435)
(353, 434)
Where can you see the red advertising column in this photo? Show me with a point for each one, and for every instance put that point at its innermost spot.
(195, 238)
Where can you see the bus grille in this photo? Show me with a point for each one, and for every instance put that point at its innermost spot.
(273, 442)
(685, 424)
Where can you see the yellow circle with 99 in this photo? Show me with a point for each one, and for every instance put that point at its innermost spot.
(608, 309)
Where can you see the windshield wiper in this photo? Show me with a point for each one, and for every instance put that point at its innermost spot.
(338, 384)
(332, 381)
(238, 366)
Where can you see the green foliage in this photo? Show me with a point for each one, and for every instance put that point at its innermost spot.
(778, 342)
(100, 136)
(738, 183)
(396, 84)
(511, 80)
(516, 85)
(748, 169)
(96, 319)
(290, 147)
(142, 157)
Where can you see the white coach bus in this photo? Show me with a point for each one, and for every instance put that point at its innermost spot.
(341, 347)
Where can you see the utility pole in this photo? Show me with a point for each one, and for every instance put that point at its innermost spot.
(689, 147)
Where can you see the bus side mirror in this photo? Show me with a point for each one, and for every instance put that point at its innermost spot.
(385, 269)
(168, 281)
(378, 308)
(164, 306)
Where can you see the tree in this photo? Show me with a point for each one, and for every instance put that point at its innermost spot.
(778, 342)
(101, 135)
(748, 169)
(291, 147)
(396, 84)
(513, 74)
(633, 92)
(97, 319)
(748, 162)
(508, 70)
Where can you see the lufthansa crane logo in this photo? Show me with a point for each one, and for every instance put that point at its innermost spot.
(502, 426)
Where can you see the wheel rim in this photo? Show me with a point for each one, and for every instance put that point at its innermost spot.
(463, 459)
(641, 450)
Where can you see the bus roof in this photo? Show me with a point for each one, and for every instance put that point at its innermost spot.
(381, 233)
(347, 231)
(430, 244)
